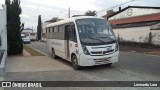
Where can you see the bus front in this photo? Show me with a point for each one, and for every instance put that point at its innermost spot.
(97, 42)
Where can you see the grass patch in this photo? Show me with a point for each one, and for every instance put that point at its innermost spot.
(32, 51)
(154, 53)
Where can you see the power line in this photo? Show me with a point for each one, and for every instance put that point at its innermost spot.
(116, 6)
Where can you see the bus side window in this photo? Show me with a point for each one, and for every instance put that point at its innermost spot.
(72, 33)
(67, 27)
(46, 30)
(61, 32)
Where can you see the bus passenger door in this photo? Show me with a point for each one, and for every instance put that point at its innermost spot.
(71, 39)
(67, 27)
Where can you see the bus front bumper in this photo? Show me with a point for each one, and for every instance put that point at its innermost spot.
(87, 60)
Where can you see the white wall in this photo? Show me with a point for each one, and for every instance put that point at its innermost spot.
(3, 31)
(135, 12)
(138, 34)
(156, 37)
(29, 31)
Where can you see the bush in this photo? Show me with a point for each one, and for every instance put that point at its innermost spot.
(138, 44)
(15, 45)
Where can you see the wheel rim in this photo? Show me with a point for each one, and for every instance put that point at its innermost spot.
(75, 62)
(53, 54)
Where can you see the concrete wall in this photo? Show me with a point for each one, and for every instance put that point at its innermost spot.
(3, 32)
(3, 35)
(138, 34)
(29, 31)
(156, 37)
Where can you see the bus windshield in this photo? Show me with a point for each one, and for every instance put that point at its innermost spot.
(94, 31)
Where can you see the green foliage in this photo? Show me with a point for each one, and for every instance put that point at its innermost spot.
(150, 38)
(91, 13)
(15, 45)
(39, 28)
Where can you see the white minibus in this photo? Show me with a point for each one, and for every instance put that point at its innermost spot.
(84, 41)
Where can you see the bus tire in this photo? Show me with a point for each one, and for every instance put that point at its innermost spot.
(75, 63)
(53, 54)
(109, 64)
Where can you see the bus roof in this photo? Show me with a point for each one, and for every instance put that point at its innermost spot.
(70, 20)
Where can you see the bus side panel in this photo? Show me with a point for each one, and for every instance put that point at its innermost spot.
(58, 46)
(66, 47)
(73, 47)
(49, 46)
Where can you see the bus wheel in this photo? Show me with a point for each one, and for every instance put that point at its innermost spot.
(53, 54)
(109, 64)
(75, 63)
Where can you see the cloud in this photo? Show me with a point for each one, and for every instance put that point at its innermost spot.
(1, 3)
(31, 10)
(74, 4)
(59, 8)
(24, 16)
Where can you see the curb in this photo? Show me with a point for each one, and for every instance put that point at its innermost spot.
(25, 53)
(141, 53)
(38, 51)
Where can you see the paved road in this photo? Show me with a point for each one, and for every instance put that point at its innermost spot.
(131, 67)
(41, 46)
(146, 67)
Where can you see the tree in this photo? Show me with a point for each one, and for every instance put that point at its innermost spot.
(39, 28)
(14, 28)
(91, 13)
(150, 38)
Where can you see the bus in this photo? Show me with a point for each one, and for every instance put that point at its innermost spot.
(83, 41)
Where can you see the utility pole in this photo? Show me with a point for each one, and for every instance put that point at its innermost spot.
(32, 29)
(69, 12)
(39, 28)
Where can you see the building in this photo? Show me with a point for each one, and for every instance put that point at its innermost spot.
(32, 34)
(109, 13)
(134, 23)
(155, 29)
(3, 39)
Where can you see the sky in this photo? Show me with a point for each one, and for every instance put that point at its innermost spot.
(59, 8)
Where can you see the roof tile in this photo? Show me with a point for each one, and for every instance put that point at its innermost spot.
(144, 18)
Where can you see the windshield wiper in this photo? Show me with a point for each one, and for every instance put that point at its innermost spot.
(107, 37)
(96, 39)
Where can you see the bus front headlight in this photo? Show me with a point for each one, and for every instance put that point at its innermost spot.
(85, 50)
(117, 47)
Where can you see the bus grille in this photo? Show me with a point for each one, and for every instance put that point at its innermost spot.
(96, 52)
(102, 52)
(105, 52)
(102, 61)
